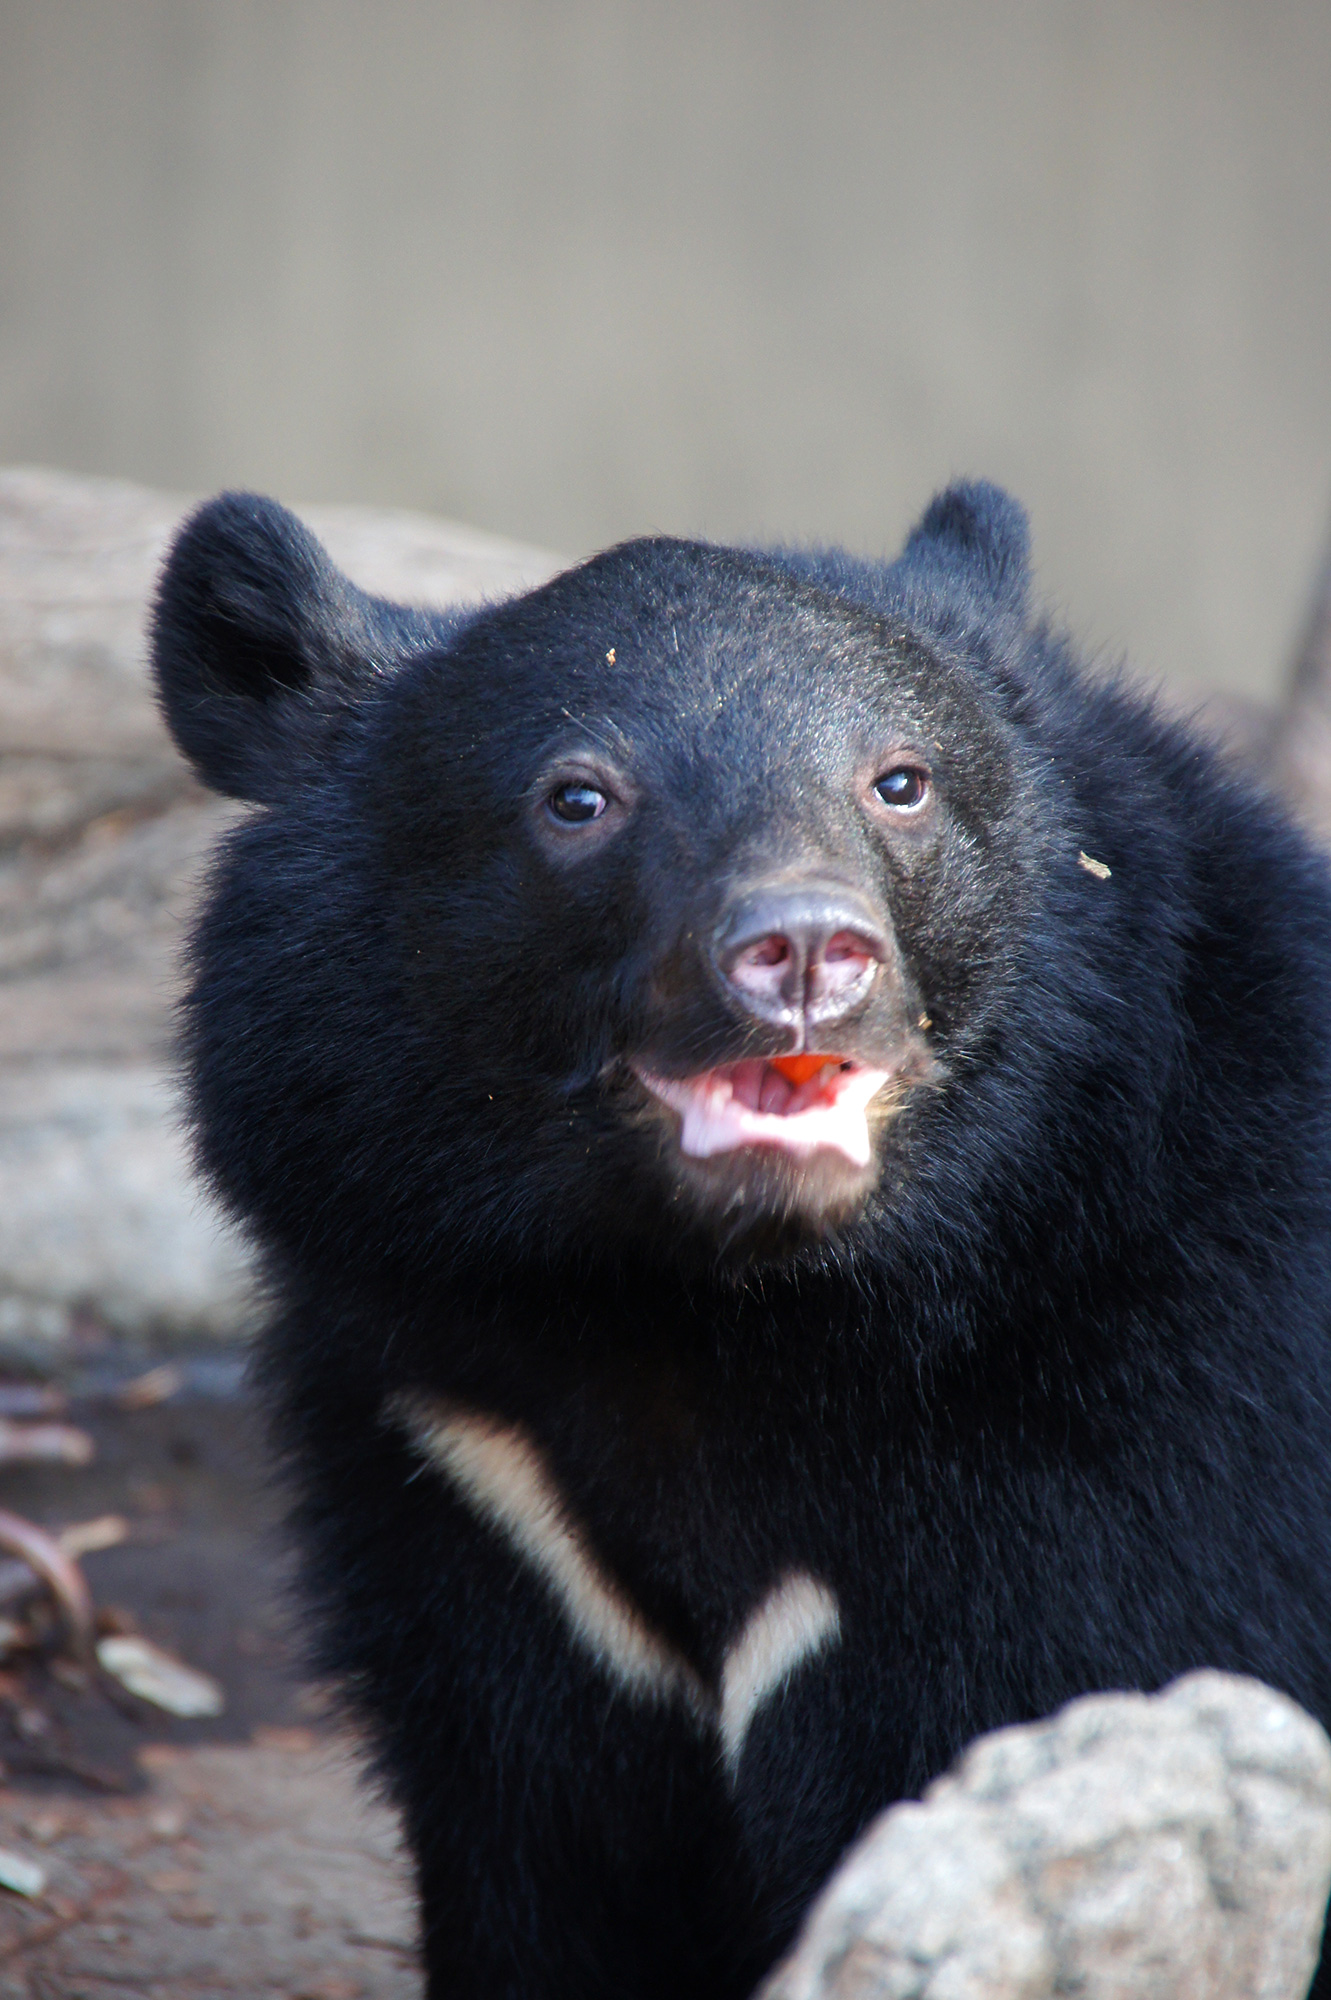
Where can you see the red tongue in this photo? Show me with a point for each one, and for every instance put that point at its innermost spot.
(798, 1069)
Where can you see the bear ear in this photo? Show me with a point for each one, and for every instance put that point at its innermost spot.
(984, 531)
(256, 638)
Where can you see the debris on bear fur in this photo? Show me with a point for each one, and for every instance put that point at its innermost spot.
(1166, 1847)
(103, 834)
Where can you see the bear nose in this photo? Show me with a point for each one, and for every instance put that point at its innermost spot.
(810, 950)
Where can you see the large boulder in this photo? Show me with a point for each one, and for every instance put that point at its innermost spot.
(103, 838)
(1133, 1847)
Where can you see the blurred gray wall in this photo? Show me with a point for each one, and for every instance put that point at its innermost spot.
(571, 269)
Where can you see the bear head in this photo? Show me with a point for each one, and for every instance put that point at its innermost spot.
(660, 907)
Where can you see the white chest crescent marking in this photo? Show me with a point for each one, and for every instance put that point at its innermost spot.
(798, 1618)
(503, 1477)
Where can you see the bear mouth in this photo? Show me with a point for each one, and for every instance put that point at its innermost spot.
(796, 1105)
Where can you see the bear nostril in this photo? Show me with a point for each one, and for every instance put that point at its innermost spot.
(846, 945)
(843, 964)
(768, 973)
(771, 951)
(762, 969)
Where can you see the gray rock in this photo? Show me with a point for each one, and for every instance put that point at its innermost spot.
(103, 839)
(1165, 1847)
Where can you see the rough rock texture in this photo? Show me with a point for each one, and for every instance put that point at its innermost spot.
(254, 1871)
(102, 837)
(1166, 1847)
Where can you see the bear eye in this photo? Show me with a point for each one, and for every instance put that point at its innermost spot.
(903, 786)
(576, 804)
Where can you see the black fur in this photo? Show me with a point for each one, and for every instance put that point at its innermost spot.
(1042, 1397)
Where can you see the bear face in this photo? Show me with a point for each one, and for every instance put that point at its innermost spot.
(689, 881)
(747, 866)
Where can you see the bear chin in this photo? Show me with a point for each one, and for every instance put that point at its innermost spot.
(758, 1205)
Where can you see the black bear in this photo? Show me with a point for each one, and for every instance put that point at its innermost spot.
(789, 1132)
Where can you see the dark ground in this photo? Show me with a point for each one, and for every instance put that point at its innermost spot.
(188, 1858)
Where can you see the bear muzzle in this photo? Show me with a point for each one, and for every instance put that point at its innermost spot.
(808, 963)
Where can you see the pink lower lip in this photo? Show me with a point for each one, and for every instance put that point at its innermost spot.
(752, 1104)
